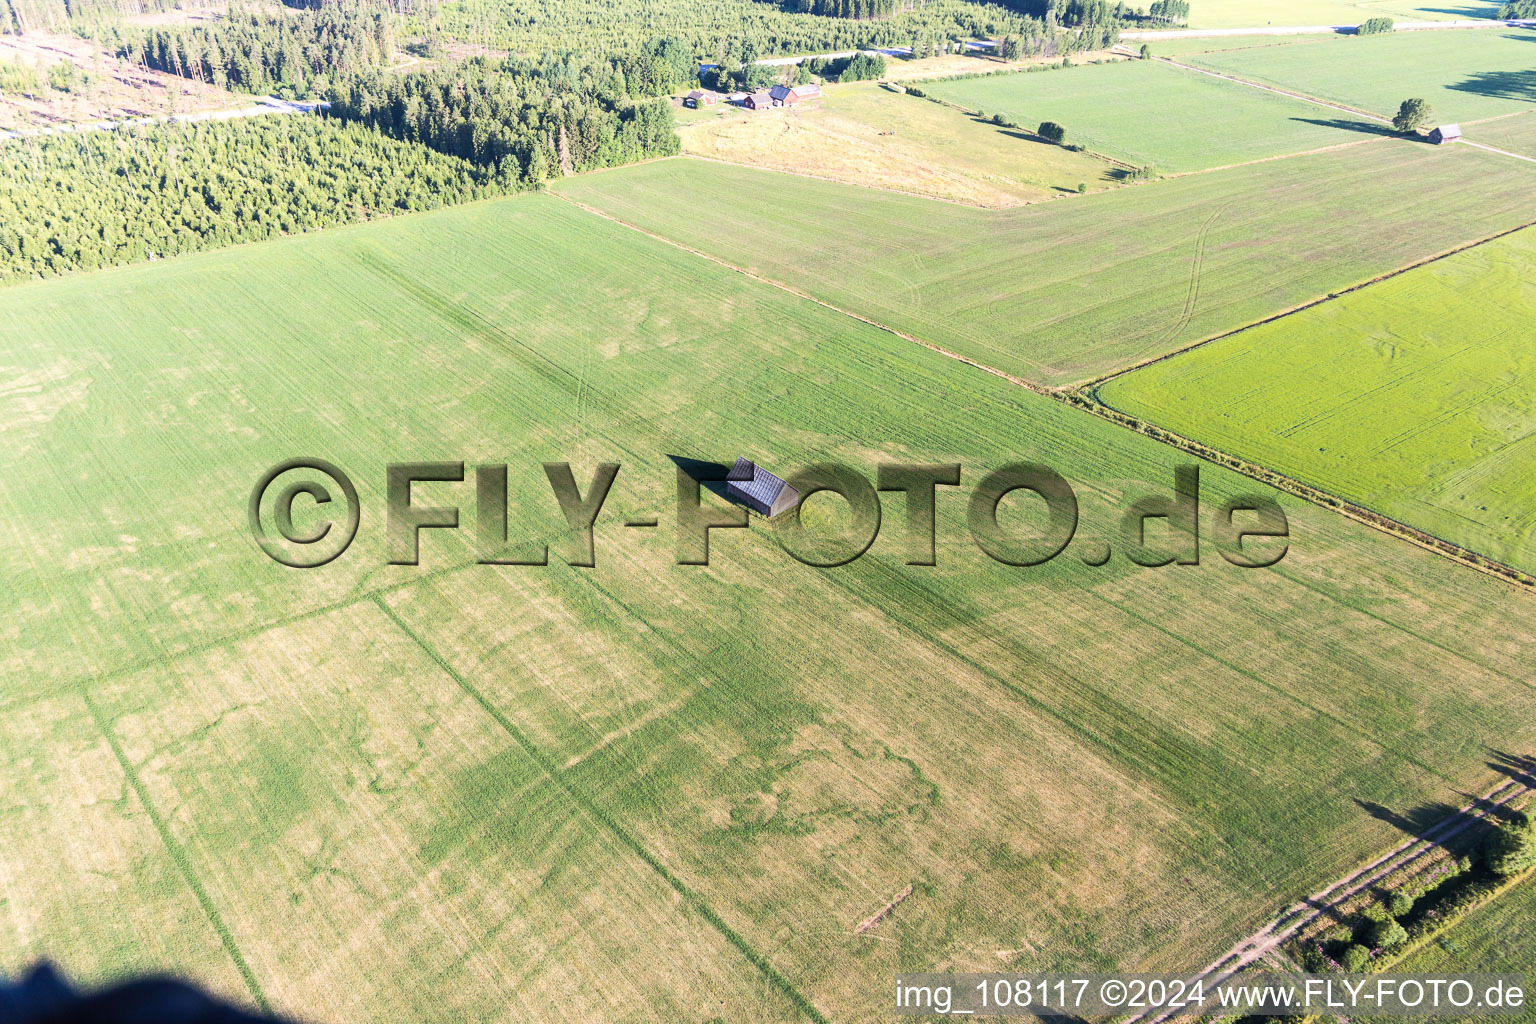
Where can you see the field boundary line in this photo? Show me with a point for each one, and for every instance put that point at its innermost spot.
(968, 112)
(602, 817)
(1094, 383)
(213, 644)
(1039, 389)
(1295, 917)
(1084, 397)
(1307, 492)
(1272, 159)
(178, 855)
(1501, 152)
(1274, 89)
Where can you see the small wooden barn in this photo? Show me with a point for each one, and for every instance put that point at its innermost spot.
(758, 101)
(759, 490)
(701, 98)
(1445, 133)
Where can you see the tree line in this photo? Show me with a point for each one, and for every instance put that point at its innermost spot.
(856, 10)
(523, 120)
(259, 52)
(717, 31)
(94, 199)
(62, 15)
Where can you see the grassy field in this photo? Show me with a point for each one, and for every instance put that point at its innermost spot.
(1142, 112)
(1497, 938)
(865, 134)
(1245, 13)
(1073, 289)
(1412, 396)
(1464, 75)
(644, 791)
(1516, 134)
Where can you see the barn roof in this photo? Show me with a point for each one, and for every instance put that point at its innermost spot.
(779, 92)
(809, 89)
(754, 487)
(1449, 131)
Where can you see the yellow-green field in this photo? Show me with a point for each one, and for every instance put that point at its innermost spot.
(867, 134)
(1412, 396)
(645, 791)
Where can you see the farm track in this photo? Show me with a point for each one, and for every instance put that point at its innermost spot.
(1333, 106)
(1277, 91)
(1082, 396)
(1296, 917)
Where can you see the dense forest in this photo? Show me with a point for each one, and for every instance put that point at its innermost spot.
(525, 121)
(716, 30)
(858, 10)
(257, 52)
(78, 202)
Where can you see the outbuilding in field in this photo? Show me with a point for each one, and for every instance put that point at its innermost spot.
(701, 98)
(758, 101)
(808, 91)
(753, 486)
(783, 96)
(1445, 133)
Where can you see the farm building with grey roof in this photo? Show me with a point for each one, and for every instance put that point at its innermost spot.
(753, 486)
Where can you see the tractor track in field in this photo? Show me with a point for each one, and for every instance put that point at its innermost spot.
(1196, 267)
(1302, 913)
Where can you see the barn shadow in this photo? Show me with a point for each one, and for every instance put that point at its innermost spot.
(1347, 125)
(710, 475)
(1505, 85)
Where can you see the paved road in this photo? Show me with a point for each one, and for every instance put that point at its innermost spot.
(1303, 30)
(889, 51)
(265, 105)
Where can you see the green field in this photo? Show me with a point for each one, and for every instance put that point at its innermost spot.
(1516, 134)
(1465, 75)
(1245, 13)
(1496, 938)
(1412, 397)
(644, 791)
(1142, 112)
(1073, 289)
